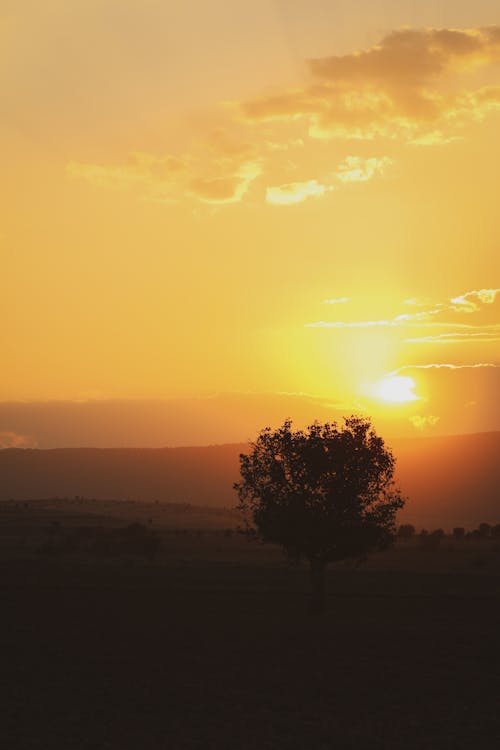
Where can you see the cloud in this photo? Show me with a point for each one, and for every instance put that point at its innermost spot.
(413, 57)
(450, 389)
(418, 301)
(434, 138)
(351, 169)
(356, 169)
(222, 190)
(421, 422)
(295, 192)
(401, 321)
(447, 366)
(480, 302)
(223, 178)
(475, 301)
(403, 87)
(284, 145)
(10, 439)
(472, 301)
(224, 144)
(152, 175)
(414, 85)
(336, 301)
(229, 189)
(353, 324)
(456, 338)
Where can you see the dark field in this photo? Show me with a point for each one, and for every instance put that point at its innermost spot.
(213, 646)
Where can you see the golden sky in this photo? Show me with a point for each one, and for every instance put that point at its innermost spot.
(271, 197)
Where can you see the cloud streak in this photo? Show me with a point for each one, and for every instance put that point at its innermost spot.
(454, 338)
(336, 301)
(447, 366)
(472, 302)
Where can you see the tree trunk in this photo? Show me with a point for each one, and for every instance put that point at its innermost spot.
(318, 601)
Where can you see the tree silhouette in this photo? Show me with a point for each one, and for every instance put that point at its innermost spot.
(495, 532)
(324, 494)
(406, 531)
(484, 530)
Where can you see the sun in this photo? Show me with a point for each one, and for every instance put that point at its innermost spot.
(397, 389)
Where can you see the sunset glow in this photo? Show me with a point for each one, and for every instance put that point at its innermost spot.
(290, 198)
(396, 389)
(250, 374)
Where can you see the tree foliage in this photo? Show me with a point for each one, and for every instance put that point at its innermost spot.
(325, 493)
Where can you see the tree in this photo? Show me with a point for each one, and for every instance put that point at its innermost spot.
(324, 494)
(495, 532)
(484, 530)
(406, 531)
(431, 540)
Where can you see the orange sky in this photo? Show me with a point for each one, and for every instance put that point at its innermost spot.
(269, 197)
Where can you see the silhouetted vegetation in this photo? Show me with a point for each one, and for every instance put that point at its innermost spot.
(134, 539)
(406, 531)
(484, 530)
(324, 494)
(98, 643)
(431, 540)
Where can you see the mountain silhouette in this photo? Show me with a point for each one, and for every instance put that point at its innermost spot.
(448, 480)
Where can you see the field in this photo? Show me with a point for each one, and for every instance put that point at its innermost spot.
(212, 645)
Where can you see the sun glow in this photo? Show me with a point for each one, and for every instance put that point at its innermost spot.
(396, 389)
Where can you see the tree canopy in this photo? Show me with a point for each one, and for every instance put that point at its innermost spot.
(325, 493)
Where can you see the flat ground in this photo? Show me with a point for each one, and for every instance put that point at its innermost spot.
(213, 646)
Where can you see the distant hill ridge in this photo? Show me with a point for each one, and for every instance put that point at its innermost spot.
(449, 480)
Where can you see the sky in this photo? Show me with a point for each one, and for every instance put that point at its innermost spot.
(258, 210)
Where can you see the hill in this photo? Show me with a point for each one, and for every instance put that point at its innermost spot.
(449, 480)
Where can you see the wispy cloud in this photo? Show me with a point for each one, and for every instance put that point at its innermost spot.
(336, 301)
(229, 189)
(356, 169)
(401, 321)
(447, 366)
(468, 302)
(219, 172)
(351, 170)
(456, 338)
(471, 301)
(352, 324)
(152, 175)
(421, 422)
(441, 315)
(418, 301)
(296, 192)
